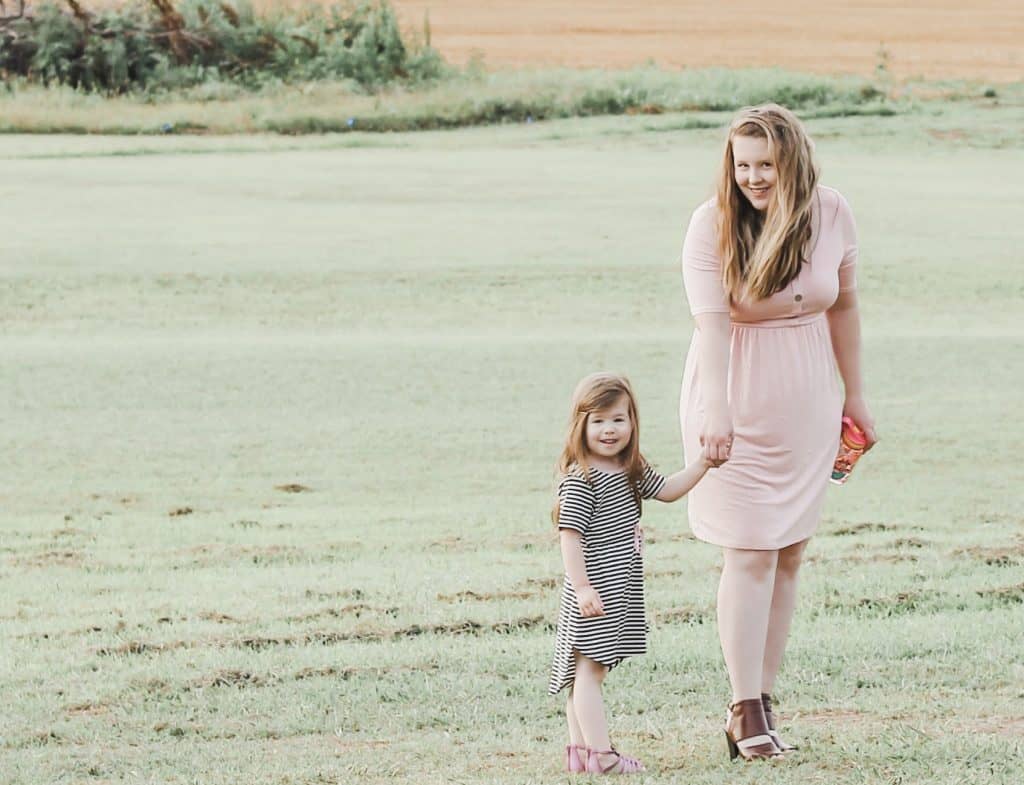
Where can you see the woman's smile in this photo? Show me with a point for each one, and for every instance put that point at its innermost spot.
(754, 169)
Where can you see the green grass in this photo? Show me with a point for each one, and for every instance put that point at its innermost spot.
(396, 323)
(463, 98)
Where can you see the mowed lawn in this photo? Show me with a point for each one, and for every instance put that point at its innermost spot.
(279, 424)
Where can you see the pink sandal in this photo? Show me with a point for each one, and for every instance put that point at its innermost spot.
(573, 762)
(622, 764)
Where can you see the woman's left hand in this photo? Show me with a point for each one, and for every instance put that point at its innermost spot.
(857, 410)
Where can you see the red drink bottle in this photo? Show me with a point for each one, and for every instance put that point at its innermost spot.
(851, 446)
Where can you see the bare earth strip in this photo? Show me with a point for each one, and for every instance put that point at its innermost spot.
(935, 39)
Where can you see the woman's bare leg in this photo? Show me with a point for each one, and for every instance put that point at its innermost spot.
(744, 603)
(781, 615)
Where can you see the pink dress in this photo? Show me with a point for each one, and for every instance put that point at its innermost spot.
(783, 388)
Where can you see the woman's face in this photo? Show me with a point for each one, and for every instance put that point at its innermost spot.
(754, 169)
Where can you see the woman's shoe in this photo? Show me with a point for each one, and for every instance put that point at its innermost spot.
(766, 701)
(746, 731)
(621, 765)
(574, 764)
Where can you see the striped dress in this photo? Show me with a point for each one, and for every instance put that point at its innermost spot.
(607, 516)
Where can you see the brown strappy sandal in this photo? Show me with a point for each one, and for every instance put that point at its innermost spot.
(766, 701)
(746, 731)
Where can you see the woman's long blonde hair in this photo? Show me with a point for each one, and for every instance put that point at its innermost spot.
(762, 251)
(596, 392)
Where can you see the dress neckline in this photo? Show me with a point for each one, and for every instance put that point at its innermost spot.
(605, 471)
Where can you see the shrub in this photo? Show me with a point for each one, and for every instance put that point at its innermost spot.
(153, 44)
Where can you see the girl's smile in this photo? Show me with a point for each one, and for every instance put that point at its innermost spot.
(609, 430)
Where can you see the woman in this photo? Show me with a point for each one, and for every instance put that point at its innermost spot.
(769, 269)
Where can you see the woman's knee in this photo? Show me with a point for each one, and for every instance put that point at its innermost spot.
(756, 565)
(790, 558)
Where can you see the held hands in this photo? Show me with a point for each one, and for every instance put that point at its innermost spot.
(716, 438)
(589, 601)
(708, 463)
(857, 410)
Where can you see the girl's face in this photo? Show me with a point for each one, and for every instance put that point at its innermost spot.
(754, 170)
(609, 430)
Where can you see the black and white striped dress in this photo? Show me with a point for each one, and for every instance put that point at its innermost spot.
(606, 514)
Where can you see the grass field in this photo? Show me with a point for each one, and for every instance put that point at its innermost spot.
(466, 98)
(279, 425)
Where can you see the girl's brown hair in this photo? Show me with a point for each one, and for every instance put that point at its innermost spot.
(597, 392)
(762, 251)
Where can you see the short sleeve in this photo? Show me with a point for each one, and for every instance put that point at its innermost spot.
(575, 504)
(702, 267)
(651, 483)
(848, 265)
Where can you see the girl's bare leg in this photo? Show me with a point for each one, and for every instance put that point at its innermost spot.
(575, 732)
(588, 704)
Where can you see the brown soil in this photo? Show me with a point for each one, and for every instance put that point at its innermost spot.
(929, 38)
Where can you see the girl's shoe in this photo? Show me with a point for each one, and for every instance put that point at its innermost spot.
(766, 701)
(621, 765)
(574, 764)
(746, 731)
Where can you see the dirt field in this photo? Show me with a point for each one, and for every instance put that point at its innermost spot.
(930, 38)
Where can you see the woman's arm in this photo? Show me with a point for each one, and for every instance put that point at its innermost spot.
(844, 324)
(713, 360)
(576, 568)
(709, 304)
(681, 483)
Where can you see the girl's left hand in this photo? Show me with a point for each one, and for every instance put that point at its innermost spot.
(857, 410)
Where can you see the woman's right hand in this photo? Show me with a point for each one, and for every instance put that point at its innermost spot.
(589, 601)
(716, 438)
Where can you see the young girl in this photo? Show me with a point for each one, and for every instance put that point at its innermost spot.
(601, 618)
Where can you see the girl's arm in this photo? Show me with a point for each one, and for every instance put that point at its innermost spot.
(680, 483)
(572, 557)
(713, 358)
(844, 324)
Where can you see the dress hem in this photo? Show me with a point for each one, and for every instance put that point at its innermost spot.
(747, 547)
(610, 667)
